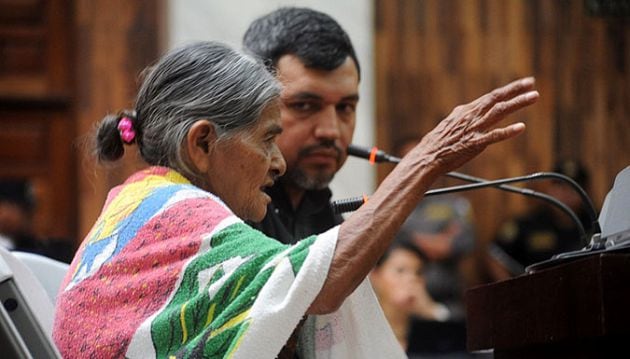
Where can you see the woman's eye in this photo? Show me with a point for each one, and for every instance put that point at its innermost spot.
(270, 139)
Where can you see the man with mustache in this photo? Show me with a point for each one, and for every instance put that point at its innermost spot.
(314, 59)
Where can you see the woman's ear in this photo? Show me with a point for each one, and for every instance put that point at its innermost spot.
(199, 140)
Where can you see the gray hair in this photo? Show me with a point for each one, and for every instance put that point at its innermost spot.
(205, 80)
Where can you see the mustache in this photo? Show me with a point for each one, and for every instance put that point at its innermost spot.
(324, 145)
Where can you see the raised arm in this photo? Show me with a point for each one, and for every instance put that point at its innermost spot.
(461, 136)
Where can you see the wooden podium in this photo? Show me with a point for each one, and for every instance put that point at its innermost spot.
(579, 309)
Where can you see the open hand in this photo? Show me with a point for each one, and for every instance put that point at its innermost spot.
(468, 129)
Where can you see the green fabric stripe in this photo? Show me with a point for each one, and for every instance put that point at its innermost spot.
(235, 241)
(298, 255)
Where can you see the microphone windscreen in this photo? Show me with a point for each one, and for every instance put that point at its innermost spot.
(358, 151)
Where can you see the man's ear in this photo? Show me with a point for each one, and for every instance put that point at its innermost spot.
(199, 140)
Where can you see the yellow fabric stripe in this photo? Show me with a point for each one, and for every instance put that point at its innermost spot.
(236, 345)
(211, 314)
(122, 206)
(182, 320)
(230, 323)
(238, 285)
(130, 197)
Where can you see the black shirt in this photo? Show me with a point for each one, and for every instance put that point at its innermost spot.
(287, 225)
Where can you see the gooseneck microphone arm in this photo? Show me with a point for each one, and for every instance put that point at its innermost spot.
(375, 155)
(351, 204)
(528, 192)
(588, 204)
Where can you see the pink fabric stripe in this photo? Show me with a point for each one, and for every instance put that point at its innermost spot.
(109, 306)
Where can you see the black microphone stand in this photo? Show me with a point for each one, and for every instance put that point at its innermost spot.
(351, 204)
(595, 244)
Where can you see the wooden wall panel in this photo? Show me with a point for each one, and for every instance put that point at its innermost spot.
(35, 144)
(432, 55)
(36, 118)
(35, 52)
(64, 64)
(117, 40)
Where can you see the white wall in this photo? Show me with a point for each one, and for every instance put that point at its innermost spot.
(227, 20)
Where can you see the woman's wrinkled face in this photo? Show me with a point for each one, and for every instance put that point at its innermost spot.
(246, 163)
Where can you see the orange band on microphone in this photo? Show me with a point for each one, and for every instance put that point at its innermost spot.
(365, 199)
(373, 155)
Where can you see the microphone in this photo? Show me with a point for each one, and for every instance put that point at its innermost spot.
(348, 204)
(375, 155)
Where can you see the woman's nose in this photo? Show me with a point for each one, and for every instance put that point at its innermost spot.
(278, 164)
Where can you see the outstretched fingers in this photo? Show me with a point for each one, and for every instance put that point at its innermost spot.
(514, 88)
(504, 108)
(502, 134)
(505, 93)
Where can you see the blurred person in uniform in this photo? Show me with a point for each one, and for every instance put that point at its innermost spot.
(545, 230)
(441, 227)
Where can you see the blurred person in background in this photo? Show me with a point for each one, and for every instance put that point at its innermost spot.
(17, 209)
(442, 229)
(399, 284)
(545, 230)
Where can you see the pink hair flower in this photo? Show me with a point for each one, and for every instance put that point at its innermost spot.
(125, 127)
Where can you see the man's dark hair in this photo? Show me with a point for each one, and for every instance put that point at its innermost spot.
(314, 37)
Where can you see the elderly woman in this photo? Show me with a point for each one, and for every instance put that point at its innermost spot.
(171, 270)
